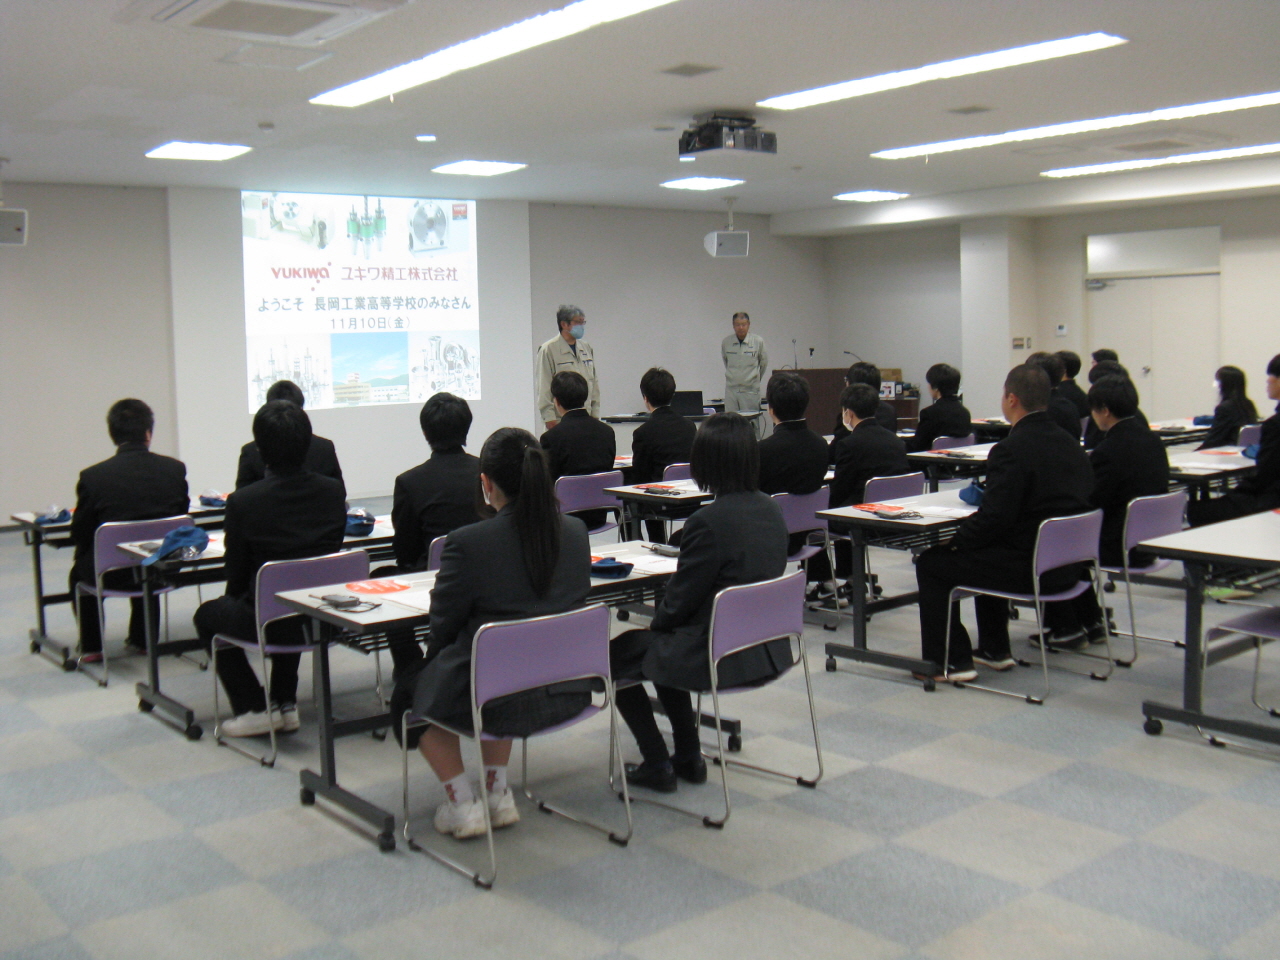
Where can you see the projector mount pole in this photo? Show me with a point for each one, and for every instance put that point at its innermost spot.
(728, 202)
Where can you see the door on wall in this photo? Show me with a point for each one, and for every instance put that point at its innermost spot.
(1166, 331)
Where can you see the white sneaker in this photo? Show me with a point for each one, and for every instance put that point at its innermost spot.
(254, 724)
(288, 718)
(461, 820)
(502, 809)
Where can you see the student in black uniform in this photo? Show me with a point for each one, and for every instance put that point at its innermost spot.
(134, 484)
(289, 514)
(1035, 473)
(579, 443)
(1068, 387)
(946, 416)
(525, 561)
(739, 537)
(868, 450)
(1061, 410)
(793, 459)
(1104, 355)
(886, 416)
(1106, 368)
(321, 456)
(1233, 412)
(1260, 491)
(1130, 462)
(666, 437)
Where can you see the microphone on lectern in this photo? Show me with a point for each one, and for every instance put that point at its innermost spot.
(855, 356)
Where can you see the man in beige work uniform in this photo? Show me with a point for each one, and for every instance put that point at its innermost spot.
(745, 365)
(566, 351)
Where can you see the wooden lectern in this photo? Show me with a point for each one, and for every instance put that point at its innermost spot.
(825, 387)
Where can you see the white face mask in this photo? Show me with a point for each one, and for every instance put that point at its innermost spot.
(484, 492)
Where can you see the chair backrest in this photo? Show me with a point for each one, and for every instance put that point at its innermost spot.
(709, 411)
(1250, 434)
(948, 443)
(1084, 425)
(1155, 516)
(586, 492)
(892, 488)
(750, 614)
(513, 655)
(434, 551)
(799, 509)
(676, 471)
(277, 576)
(108, 537)
(1064, 540)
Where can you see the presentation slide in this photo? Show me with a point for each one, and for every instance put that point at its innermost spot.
(360, 300)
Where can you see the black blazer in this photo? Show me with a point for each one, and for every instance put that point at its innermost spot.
(1228, 417)
(135, 484)
(737, 538)
(665, 438)
(483, 579)
(945, 417)
(1093, 436)
(579, 444)
(870, 451)
(322, 458)
(1071, 390)
(1129, 462)
(793, 459)
(1063, 412)
(432, 499)
(281, 517)
(1035, 473)
(886, 416)
(1265, 482)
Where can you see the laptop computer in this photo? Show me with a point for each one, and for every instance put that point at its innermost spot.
(687, 403)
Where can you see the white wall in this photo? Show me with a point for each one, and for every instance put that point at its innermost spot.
(84, 321)
(653, 297)
(895, 298)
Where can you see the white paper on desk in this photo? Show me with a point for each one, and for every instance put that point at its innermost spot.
(655, 565)
(417, 599)
(1199, 465)
(953, 513)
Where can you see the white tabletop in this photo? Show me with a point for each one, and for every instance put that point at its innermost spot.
(686, 491)
(1252, 539)
(382, 532)
(974, 453)
(1208, 462)
(197, 510)
(936, 509)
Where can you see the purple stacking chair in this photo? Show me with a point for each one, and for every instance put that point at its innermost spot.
(586, 492)
(1146, 518)
(1250, 434)
(676, 471)
(434, 552)
(108, 556)
(512, 656)
(1263, 627)
(799, 512)
(1059, 541)
(950, 443)
(744, 616)
(880, 489)
(1084, 427)
(280, 576)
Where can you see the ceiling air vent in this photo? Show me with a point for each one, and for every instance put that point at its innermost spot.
(293, 22)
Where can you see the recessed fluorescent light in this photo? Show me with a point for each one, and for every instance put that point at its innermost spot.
(870, 196)
(426, 138)
(1086, 126)
(963, 67)
(688, 159)
(181, 150)
(1231, 154)
(701, 183)
(478, 168)
(575, 18)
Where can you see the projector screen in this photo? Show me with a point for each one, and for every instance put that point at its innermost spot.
(360, 300)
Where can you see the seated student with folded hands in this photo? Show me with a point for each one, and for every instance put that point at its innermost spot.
(740, 537)
(525, 560)
(289, 514)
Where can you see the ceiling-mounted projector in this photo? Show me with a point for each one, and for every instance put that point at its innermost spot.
(726, 130)
(727, 243)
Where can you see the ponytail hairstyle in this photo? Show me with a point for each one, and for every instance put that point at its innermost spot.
(1231, 386)
(512, 459)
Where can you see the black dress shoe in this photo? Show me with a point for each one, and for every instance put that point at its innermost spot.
(692, 770)
(656, 776)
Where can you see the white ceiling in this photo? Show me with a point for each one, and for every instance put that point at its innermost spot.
(82, 97)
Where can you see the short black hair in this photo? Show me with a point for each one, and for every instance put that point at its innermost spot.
(567, 314)
(1051, 364)
(1106, 368)
(861, 399)
(445, 421)
(1116, 394)
(944, 378)
(286, 390)
(1105, 353)
(129, 421)
(725, 456)
(570, 388)
(1030, 384)
(863, 372)
(787, 395)
(1070, 362)
(282, 431)
(657, 386)
(1273, 368)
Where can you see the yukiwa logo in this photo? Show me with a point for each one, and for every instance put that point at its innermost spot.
(300, 273)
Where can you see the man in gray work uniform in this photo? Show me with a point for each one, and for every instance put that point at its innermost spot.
(566, 351)
(745, 364)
